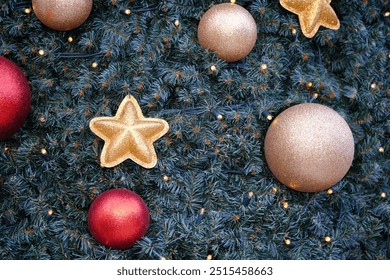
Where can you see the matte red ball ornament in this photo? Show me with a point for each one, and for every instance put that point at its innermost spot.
(15, 98)
(118, 218)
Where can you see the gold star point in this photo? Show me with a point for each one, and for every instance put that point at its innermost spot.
(312, 14)
(128, 135)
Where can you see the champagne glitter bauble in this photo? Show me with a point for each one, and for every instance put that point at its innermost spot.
(118, 218)
(15, 98)
(309, 147)
(229, 30)
(62, 15)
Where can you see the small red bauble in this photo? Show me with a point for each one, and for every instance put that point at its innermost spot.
(118, 218)
(15, 98)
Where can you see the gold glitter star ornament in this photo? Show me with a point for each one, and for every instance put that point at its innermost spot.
(312, 14)
(128, 135)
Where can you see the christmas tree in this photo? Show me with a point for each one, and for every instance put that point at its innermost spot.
(211, 193)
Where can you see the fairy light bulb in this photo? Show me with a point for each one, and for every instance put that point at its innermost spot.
(293, 31)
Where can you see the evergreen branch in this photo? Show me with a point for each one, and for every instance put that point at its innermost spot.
(77, 55)
(140, 9)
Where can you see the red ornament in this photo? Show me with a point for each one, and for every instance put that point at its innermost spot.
(118, 218)
(15, 98)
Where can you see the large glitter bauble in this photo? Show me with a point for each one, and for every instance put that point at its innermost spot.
(229, 30)
(309, 147)
(118, 218)
(62, 15)
(15, 98)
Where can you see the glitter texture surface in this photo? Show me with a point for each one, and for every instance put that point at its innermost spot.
(229, 30)
(15, 98)
(62, 15)
(118, 218)
(312, 14)
(309, 147)
(128, 135)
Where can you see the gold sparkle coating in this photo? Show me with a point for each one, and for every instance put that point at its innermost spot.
(229, 30)
(128, 135)
(309, 147)
(312, 14)
(62, 15)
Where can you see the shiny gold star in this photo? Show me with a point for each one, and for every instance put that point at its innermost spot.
(312, 14)
(128, 135)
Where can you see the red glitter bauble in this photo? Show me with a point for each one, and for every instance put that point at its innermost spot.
(118, 218)
(15, 98)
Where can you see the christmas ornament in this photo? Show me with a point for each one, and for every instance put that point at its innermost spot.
(312, 14)
(128, 135)
(62, 15)
(229, 30)
(15, 98)
(118, 218)
(309, 147)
